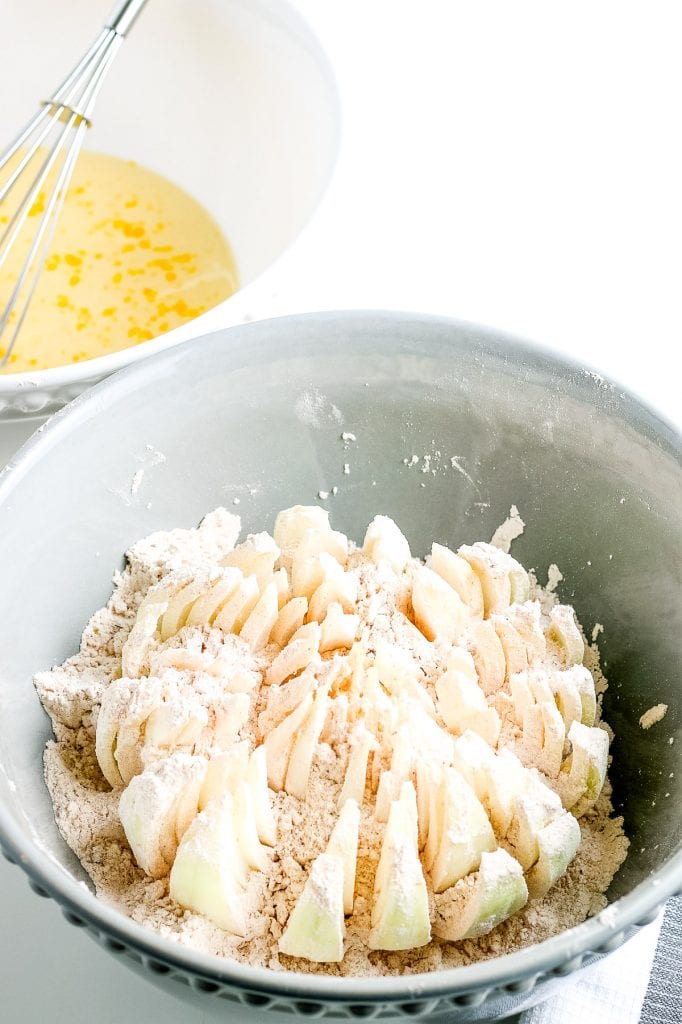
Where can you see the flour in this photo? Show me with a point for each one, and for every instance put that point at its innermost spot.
(456, 464)
(653, 715)
(316, 410)
(86, 808)
(436, 461)
(511, 528)
(554, 578)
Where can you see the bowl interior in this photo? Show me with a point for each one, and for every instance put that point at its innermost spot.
(231, 99)
(595, 476)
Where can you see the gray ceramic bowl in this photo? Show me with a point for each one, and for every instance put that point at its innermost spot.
(255, 414)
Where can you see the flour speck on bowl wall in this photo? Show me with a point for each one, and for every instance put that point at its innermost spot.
(472, 406)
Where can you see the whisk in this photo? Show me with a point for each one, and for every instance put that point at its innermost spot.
(59, 129)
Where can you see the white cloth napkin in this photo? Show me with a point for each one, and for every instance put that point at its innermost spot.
(612, 991)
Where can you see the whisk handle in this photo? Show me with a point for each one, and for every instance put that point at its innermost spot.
(123, 15)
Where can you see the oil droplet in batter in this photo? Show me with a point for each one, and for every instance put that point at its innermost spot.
(132, 256)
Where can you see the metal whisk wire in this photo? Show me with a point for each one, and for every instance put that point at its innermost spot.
(67, 116)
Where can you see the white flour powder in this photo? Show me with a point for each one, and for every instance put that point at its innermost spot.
(86, 809)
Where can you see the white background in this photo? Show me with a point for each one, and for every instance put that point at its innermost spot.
(514, 163)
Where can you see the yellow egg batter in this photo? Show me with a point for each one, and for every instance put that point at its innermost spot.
(132, 256)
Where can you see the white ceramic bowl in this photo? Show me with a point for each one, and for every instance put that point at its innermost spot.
(597, 476)
(234, 100)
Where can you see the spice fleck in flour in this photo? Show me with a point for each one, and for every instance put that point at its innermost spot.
(299, 754)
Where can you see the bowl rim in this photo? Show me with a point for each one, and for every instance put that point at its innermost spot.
(598, 934)
(89, 371)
